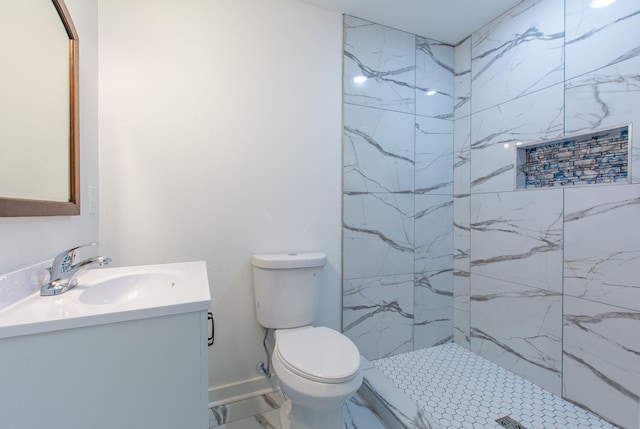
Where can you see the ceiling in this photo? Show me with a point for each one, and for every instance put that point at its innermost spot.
(449, 21)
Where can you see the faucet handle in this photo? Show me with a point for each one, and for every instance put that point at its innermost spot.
(65, 260)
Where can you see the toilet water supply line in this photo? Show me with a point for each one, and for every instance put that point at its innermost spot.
(261, 367)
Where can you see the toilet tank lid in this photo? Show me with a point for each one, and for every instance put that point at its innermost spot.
(289, 260)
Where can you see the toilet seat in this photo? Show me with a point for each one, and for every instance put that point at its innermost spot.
(318, 354)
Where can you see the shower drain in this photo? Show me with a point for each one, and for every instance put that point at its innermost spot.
(509, 423)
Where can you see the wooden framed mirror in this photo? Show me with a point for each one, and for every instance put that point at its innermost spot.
(39, 139)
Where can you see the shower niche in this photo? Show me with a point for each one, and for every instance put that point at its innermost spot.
(600, 157)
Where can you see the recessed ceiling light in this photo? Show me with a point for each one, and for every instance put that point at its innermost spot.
(431, 92)
(360, 79)
(597, 4)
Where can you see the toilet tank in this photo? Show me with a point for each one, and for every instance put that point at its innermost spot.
(287, 288)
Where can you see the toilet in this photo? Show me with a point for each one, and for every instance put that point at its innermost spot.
(318, 368)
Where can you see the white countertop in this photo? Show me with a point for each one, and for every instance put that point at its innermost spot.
(142, 292)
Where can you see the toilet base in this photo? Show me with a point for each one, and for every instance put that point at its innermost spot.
(294, 416)
(285, 415)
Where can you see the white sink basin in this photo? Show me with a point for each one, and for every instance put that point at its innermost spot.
(103, 295)
(128, 287)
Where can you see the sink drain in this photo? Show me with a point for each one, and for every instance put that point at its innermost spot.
(509, 423)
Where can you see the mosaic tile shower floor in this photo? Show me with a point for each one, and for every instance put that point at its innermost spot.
(460, 389)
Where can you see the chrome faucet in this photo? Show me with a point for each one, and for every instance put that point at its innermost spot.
(64, 271)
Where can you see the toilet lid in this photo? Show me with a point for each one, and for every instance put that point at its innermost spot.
(318, 354)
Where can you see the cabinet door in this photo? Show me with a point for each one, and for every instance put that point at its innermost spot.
(144, 373)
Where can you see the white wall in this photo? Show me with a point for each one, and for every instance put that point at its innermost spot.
(220, 134)
(24, 241)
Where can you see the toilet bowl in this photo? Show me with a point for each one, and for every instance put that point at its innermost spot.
(318, 370)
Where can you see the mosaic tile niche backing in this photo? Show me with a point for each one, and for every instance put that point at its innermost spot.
(601, 157)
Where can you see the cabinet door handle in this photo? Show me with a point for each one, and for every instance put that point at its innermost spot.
(211, 339)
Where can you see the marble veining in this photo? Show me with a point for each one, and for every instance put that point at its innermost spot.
(528, 226)
(547, 284)
(433, 156)
(519, 53)
(433, 233)
(496, 131)
(252, 413)
(257, 411)
(378, 314)
(531, 349)
(462, 79)
(378, 150)
(601, 353)
(378, 234)
(588, 29)
(479, 334)
(603, 98)
(386, 57)
(433, 308)
(359, 414)
(391, 403)
(462, 191)
(434, 79)
(397, 189)
(601, 256)
(606, 98)
(461, 268)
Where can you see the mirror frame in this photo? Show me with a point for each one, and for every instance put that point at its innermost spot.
(15, 207)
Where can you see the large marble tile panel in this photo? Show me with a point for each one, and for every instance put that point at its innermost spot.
(245, 408)
(462, 79)
(359, 414)
(434, 156)
(386, 57)
(433, 233)
(395, 407)
(461, 232)
(462, 155)
(598, 37)
(267, 420)
(434, 78)
(378, 235)
(605, 98)
(378, 150)
(602, 255)
(462, 123)
(461, 313)
(433, 309)
(495, 133)
(517, 236)
(601, 359)
(518, 53)
(519, 328)
(461, 268)
(378, 314)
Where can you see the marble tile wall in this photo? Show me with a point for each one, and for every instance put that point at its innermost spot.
(546, 280)
(462, 192)
(397, 190)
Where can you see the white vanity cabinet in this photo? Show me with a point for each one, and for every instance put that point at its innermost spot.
(146, 371)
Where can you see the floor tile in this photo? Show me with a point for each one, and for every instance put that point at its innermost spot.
(459, 389)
